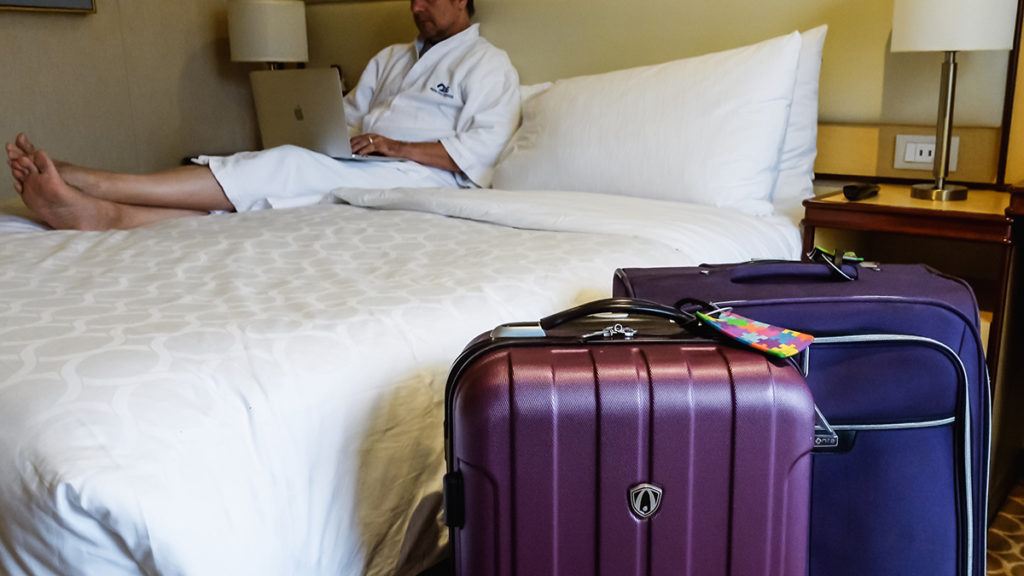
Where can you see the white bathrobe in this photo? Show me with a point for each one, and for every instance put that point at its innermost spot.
(463, 92)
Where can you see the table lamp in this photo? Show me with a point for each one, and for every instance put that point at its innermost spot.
(950, 26)
(270, 31)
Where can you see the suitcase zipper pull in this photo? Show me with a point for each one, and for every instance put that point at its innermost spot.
(841, 263)
(825, 437)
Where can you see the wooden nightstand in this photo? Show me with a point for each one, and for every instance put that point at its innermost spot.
(972, 239)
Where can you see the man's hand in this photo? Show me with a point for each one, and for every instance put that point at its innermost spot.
(430, 154)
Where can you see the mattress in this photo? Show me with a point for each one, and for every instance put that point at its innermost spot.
(262, 393)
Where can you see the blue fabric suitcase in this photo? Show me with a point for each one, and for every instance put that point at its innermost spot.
(897, 368)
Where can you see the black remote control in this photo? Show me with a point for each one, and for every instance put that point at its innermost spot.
(861, 191)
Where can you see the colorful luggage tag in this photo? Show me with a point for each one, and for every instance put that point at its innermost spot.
(780, 342)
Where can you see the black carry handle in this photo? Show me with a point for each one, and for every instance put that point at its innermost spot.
(619, 306)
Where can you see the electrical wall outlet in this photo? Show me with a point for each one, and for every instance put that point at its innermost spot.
(917, 152)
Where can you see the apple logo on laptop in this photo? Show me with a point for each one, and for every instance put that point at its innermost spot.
(298, 114)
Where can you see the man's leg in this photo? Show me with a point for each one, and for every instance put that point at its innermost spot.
(62, 206)
(186, 187)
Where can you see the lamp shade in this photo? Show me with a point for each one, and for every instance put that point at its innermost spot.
(267, 30)
(952, 25)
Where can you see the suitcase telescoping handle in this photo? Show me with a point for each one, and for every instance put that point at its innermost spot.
(624, 306)
(618, 306)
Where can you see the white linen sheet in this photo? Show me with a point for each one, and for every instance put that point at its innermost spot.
(262, 393)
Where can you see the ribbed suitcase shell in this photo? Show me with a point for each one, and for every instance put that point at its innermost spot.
(548, 438)
(898, 368)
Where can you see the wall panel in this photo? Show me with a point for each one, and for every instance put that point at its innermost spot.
(140, 84)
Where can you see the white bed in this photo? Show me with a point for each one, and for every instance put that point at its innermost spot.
(261, 393)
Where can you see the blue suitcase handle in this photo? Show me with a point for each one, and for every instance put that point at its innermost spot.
(819, 271)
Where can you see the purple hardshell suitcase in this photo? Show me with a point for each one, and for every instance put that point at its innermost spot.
(897, 368)
(575, 446)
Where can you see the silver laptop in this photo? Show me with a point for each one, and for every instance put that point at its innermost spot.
(304, 107)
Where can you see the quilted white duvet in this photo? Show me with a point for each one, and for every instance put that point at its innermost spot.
(262, 393)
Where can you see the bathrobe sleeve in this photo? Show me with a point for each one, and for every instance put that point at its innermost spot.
(489, 117)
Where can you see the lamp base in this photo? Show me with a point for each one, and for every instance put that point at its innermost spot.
(948, 193)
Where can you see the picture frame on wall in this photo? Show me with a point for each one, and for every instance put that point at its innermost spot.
(77, 6)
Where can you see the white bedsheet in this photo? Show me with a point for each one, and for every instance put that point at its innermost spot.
(261, 393)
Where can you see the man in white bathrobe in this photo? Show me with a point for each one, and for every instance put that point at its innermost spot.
(447, 103)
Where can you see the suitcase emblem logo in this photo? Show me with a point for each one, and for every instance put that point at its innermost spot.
(644, 500)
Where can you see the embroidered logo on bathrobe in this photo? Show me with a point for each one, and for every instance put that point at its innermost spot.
(442, 89)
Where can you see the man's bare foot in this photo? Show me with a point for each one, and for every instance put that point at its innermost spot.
(22, 147)
(84, 179)
(19, 148)
(23, 144)
(18, 174)
(60, 205)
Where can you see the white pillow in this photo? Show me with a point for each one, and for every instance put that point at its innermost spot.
(707, 130)
(795, 182)
(528, 91)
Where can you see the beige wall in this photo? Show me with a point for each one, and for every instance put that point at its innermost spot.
(142, 83)
(868, 94)
(861, 80)
(136, 86)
